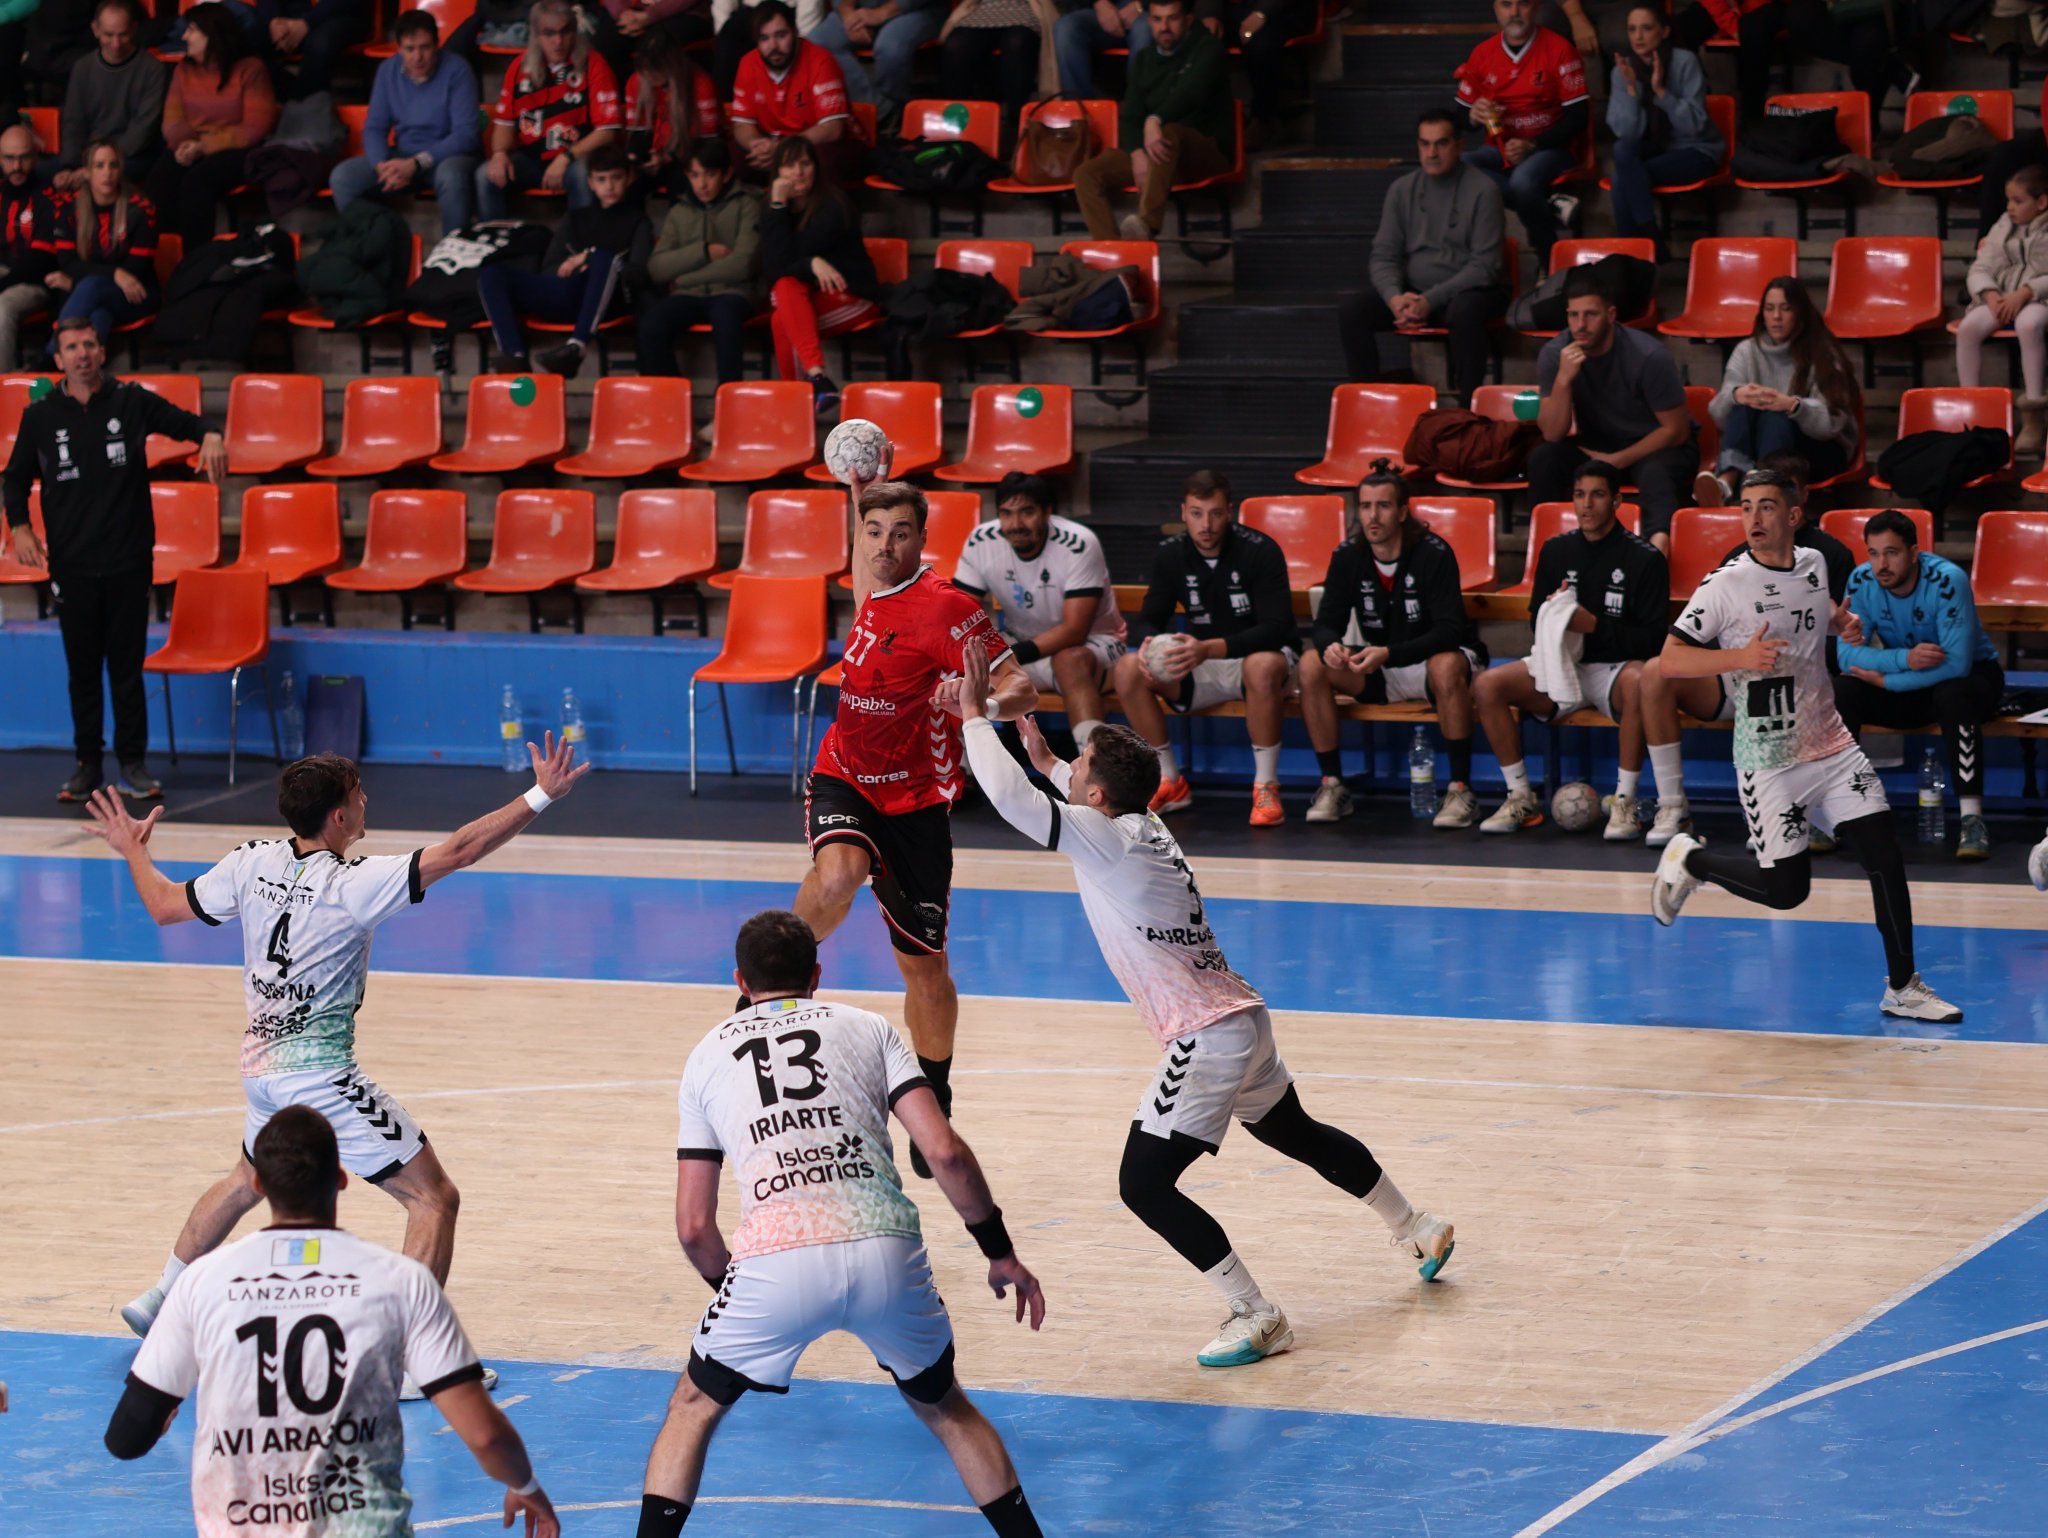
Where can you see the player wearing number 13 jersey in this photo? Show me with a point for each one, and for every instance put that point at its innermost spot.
(1761, 621)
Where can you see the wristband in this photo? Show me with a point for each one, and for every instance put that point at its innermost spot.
(531, 1487)
(992, 708)
(539, 800)
(1026, 653)
(993, 1238)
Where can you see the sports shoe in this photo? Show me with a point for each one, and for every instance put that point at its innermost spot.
(1674, 816)
(1175, 795)
(1818, 842)
(1332, 802)
(1673, 883)
(1709, 490)
(1267, 812)
(138, 784)
(85, 779)
(1460, 808)
(141, 1314)
(1917, 1001)
(566, 360)
(1521, 810)
(1975, 841)
(1428, 1239)
(2037, 865)
(1621, 819)
(1246, 1337)
(1134, 227)
(824, 395)
(407, 1389)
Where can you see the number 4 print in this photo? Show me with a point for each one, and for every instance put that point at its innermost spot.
(281, 945)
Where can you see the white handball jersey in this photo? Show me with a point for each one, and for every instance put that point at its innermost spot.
(797, 1092)
(1136, 888)
(1033, 593)
(306, 925)
(1789, 716)
(297, 1340)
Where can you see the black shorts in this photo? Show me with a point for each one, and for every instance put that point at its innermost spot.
(912, 854)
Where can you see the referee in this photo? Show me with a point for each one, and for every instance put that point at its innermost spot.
(85, 442)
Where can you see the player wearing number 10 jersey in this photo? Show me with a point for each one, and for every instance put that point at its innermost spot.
(307, 911)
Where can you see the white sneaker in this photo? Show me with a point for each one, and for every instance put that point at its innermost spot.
(1430, 1240)
(1332, 802)
(141, 1314)
(1522, 809)
(1673, 883)
(1460, 807)
(1621, 819)
(408, 1390)
(1673, 818)
(1247, 1337)
(2037, 865)
(1917, 1001)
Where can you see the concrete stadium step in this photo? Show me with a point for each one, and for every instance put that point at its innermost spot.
(1258, 400)
(1409, 55)
(1373, 119)
(1321, 192)
(1228, 330)
(1300, 261)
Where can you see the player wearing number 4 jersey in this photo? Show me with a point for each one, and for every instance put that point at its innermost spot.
(1761, 621)
(1221, 1062)
(295, 1339)
(308, 911)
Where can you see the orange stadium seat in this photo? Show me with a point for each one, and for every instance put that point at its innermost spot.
(1883, 286)
(774, 633)
(46, 124)
(979, 123)
(1367, 422)
(386, 425)
(637, 426)
(667, 535)
(1992, 108)
(291, 534)
(759, 430)
(1308, 529)
(1852, 127)
(791, 534)
(1145, 311)
(15, 391)
(182, 391)
(1952, 409)
(1027, 428)
(415, 540)
(449, 14)
(540, 539)
(1566, 254)
(1496, 402)
(1724, 283)
(1700, 536)
(1003, 260)
(909, 411)
(2011, 561)
(14, 574)
(500, 435)
(187, 528)
(1846, 524)
(220, 623)
(275, 422)
(1547, 520)
(1466, 524)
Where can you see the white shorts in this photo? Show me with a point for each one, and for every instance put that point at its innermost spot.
(1782, 805)
(1227, 1070)
(1105, 649)
(1411, 683)
(1596, 683)
(1218, 681)
(770, 1307)
(377, 1136)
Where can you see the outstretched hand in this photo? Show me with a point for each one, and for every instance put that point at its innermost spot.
(541, 1521)
(555, 769)
(112, 822)
(1010, 1272)
(973, 680)
(1042, 757)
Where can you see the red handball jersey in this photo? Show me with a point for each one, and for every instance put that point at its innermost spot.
(553, 113)
(647, 107)
(1532, 88)
(888, 740)
(811, 91)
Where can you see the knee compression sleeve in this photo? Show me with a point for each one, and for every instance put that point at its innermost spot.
(1146, 1182)
(1332, 1153)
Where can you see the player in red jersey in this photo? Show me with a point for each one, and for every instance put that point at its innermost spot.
(891, 766)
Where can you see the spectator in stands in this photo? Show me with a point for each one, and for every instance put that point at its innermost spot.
(23, 267)
(1923, 659)
(2026, 147)
(893, 30)
(102, 239)
(1526, 87)
(1622, 587)
(1087, 29)
(314, 35)
(1260, 30)
(559, 103)
(670, 104)
(1657, 111)
(421, 126)
(737, 31)
(38, 51)
(1397, 584)
(594, 264)
(821, 281)
(706, 267)
(1175, 125)
(790, 88)
(115, 92)
(1753, 25)
(1612, 392)
(1436, 261)
(999, 50)
(1878, 43)
(2008, 283)
(218, 107)
(1240, 640)
(1787, 389)
(1050, 582)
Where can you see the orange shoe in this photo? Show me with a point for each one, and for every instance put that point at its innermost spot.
(1267, 812)
(1175, 795)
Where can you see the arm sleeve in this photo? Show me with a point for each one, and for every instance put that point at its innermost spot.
(177, 129)
(967, 619)
(1549, 576)
(139, 1419)
(161, 416)
(377, 886)
(1816, 418)
(1956, 627)
(696, 1136)
(1080, 833)
(742, 264)
(1570, 125)
(1482, 267)
(1705, 616)
(71, 123)
(1387, 267)
(1272, 624)
(1443, 607)
(216, 895)
(1983, 271)
(606, 110)
(437, 1352)
(1333, 609)
(968, 575)
(1624, 111)
(1685, 96)
(20, 475)
(1639, 630)
(560, 243)
(1186, 93)
(1740, 369)
(1161, 594)
(463, 98)
(670, 258)
(379, 120)
(636, 256)
(779, 254)
(1663, 388)
(506, 114)
(1091, 576)
(259, 110)
(149, 108)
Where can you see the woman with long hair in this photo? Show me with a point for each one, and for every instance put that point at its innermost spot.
(559, 103)
(1788, 388)
(820, 279)
(1657, 110)
(104, 239)
(219, 106)
(670, 104)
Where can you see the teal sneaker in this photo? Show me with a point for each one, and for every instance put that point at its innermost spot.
(1427, 1239)
(1247, 1337)
(1975, 842)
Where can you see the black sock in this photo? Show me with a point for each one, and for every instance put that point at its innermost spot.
(938, 1072)
(1010, 1515)
(661, 1517)
(1331, 763)
(1460, 750)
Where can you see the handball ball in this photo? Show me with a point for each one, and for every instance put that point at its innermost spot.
(857, 450)
(1576, 807)
(1161, 655)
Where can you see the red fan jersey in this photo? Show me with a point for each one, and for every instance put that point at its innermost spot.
(811, 91)
(1532, 88)
(556, 111)
(888, 740)
(647, 107)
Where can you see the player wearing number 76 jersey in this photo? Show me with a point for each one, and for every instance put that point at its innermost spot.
(308, 911)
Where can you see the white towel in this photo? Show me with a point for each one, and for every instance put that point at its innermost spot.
(1553, 660)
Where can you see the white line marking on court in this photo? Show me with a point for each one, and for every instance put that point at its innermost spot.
(718, 1500)
(1692, 1435)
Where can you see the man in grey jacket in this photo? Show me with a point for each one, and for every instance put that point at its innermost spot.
(116, 93)
(1436, 261)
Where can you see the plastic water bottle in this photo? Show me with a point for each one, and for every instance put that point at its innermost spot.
(1933, 799)
(1421, 776)
(291, 721)
(572, 724)
(511, 734)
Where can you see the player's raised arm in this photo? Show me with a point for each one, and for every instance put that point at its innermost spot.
(499, 1452)
(129, 838)
(958, 1174)
(1021, 804)
(555, 773)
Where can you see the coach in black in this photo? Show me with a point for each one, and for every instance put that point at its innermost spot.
(85, 442)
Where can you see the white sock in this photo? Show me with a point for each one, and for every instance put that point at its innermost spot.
(173, 1269)
(1236, 1284)
(1266, 764)
(1083, 730)
(1169, 766)
(1667, 768)
(1386, 1199)
(1626, 784)
(1971, 806)
(1517, 777)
